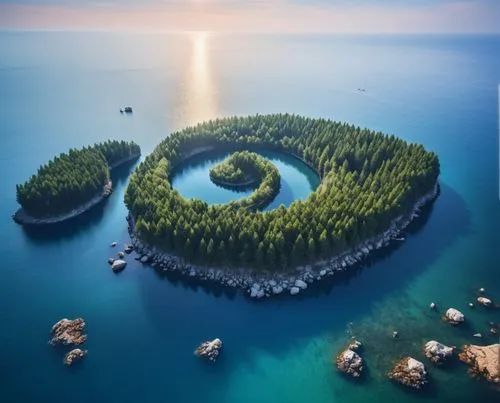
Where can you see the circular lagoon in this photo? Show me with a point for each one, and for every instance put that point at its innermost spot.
(192, 179)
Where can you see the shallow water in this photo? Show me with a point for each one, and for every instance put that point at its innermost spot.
(62, 90)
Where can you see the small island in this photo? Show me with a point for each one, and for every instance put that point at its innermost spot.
(244, 169)
(71, 183)
(372, 186)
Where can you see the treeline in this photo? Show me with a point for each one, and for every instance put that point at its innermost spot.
(228, 171)
(70, 180)
(368, 179)
(116, 151)
(245, 166)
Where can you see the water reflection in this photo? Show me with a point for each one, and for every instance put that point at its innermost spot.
(197, 95)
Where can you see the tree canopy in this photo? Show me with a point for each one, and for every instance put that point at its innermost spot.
(72, 179)
(368, 179)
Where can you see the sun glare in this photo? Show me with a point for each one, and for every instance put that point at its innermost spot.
(200, 100)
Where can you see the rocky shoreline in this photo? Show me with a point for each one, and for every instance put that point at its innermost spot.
(22, 217)
(258, 285)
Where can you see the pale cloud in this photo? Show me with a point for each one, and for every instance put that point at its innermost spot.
(355, 16)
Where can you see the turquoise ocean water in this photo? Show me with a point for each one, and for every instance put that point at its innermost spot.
(63, 89)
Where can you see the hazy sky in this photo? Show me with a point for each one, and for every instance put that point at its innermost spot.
(377, 16)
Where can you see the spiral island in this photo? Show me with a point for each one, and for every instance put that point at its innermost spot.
(372, 186)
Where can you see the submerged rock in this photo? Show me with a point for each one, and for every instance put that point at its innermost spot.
(453, 316)
(113, 244)
(432, 305)
(128, 249)
(145, 259)
(121, 255)
(409, 372)
(483, 360)
(437, 352)
(111, 260)
(209, 349)
(118, 265)
(68, 331)
(74, 355)
(485, 301)
(355, 345)
(294, 290)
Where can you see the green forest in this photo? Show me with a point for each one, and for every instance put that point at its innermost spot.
(72, 179)
(246, 168)
(368, 179)
(231, 172)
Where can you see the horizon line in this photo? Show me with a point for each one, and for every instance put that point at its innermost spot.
(252, 32)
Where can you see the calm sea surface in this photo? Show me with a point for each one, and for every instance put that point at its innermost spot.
(60, 90)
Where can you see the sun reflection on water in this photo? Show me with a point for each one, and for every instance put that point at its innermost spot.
(199, 98)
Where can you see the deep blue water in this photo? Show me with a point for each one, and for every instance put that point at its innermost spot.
(60, 90)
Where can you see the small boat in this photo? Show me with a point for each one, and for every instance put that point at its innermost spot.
(126, 109)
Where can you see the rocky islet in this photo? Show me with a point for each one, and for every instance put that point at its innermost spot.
(209, 349)
(349, 361)
(484, 361)
(409, 372)
(69, 332)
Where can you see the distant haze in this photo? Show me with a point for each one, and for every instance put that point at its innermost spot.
(278, 16)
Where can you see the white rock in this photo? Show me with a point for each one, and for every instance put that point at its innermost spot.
(478, 335)
(113, 244)
(484, 301)
(277, 290)
(437, 352)
(118, 265)
(454, 316)
(301, 284)
(413, 364)
(256, 291)
(272, 283)
(294, 290)
(322, 273)
(350, 363)
(432, 305)
(482, 290)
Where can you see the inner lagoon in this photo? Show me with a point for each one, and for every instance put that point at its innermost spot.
(192, 180)
(63, 89)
